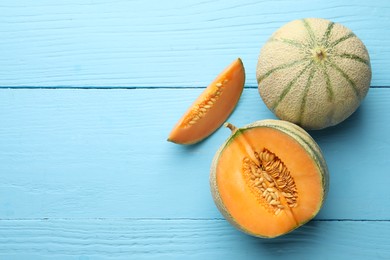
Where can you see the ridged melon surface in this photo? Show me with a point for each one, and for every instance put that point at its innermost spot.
(313, 72)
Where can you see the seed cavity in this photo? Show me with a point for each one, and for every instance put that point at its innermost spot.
(270, 181)
(200, 110)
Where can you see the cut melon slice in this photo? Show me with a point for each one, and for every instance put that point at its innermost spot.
(212, 107)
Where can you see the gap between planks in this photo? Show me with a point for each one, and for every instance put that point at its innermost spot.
(123, 87)
(173, 219)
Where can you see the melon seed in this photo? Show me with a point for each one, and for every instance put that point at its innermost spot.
(269, 177)
(200, 110)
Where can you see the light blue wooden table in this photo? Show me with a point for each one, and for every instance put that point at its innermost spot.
(90, 91)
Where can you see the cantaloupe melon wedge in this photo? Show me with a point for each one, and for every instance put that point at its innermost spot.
(211, 109)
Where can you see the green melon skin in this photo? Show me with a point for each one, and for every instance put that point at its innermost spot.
(313, 72)
(294, 131)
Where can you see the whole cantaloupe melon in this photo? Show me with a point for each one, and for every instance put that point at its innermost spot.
(313, 72)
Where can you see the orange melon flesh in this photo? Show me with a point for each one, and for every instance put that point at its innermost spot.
(212, 107)
(245, 206)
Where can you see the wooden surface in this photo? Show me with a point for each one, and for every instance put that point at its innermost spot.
(89, 91)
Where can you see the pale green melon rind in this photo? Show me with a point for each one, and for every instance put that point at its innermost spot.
(350, 81)
(305, 91)
(325, 37)
(288, 87)
(309, 31)
(346, 37)
(294, 131)
(281, 67)
(289, 42)
(329, 86)
(354, 57)
(359, 87)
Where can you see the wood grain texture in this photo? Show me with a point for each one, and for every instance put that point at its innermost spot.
(172, 44)
(187, 239)
(85, 168)
(78, 153)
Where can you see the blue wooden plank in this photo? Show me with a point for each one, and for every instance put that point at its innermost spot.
(187, 239)
(75, 153)
(154, 43)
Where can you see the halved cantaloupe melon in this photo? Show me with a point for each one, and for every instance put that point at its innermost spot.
(212, 107)
(269, 178)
